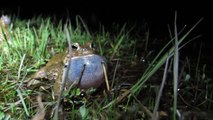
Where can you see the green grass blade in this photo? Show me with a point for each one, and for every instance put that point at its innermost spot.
(153, 68)
(23, 102)
(175, 69)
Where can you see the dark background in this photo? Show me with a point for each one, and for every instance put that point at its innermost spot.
(156, 14)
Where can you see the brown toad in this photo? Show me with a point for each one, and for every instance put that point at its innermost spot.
(85, 70)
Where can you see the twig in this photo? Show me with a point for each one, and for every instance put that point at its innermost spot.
(154, 116)
(20, 66)
(105, 75)
(64, 76)
(81, 75)
(144, 108)
(41, 112)
(113, 79)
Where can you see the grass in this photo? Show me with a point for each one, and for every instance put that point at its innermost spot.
(33, 42)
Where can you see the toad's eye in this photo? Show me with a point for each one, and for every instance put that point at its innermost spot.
(75, 46)
(91, 45)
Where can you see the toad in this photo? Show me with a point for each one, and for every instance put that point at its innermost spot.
(85, 70)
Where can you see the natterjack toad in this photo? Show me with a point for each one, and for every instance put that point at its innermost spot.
(85, 70)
